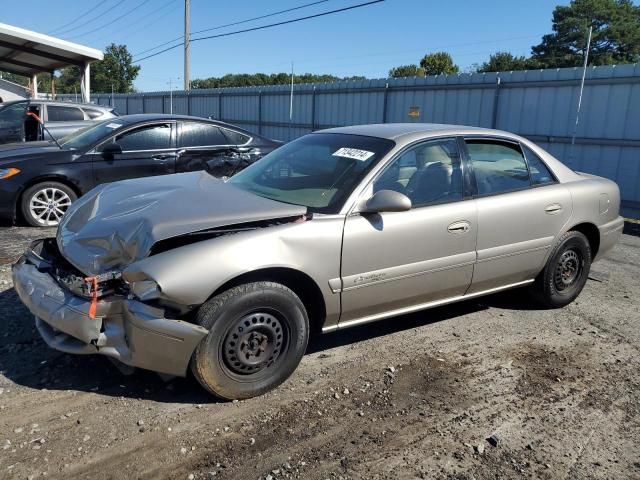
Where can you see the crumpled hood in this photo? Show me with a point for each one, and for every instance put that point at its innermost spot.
(116, 224)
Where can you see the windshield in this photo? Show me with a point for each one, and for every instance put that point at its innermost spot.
(318, 171)
(87, 136)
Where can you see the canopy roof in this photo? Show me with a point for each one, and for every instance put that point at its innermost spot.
(24, 52)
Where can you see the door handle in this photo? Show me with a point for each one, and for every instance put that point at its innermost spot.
(553, 208)
(459, 227)
(164, 156)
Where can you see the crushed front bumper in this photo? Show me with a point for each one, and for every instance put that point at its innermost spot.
(125, 329)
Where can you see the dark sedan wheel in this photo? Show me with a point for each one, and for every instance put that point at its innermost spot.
(258, 333)
(44, 204)
(566, 271)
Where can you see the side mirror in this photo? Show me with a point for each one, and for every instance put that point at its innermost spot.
(387, 201)
(110, 150)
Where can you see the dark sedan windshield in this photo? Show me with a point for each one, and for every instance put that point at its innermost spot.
(318, 171)
(87, 136)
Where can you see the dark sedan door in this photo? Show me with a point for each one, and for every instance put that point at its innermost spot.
(205, 146)
(147, 150)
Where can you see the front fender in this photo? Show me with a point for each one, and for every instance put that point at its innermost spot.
(190, 274)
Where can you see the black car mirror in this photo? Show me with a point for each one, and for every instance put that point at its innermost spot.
(387, 201)
(110, 150)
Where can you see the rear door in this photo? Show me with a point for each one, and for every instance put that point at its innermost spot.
(521, 209)
(147, 150)
(204, 146)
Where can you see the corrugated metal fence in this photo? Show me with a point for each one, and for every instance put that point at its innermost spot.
(540, 105)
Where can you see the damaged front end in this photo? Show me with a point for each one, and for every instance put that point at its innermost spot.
(101, 314)
(113, 282)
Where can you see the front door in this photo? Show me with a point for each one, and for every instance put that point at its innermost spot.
(397, 262)
(521, 208)
(147, 150)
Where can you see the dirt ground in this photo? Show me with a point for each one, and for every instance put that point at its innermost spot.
(417, 396)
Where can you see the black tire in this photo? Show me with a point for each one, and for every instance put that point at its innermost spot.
(565, 273)
(32, 203)
(258, 333)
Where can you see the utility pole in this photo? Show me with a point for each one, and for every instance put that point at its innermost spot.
(187, 83)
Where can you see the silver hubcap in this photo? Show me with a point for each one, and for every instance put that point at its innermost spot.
(48, 206)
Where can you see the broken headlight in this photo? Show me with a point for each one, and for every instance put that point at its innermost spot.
(141, 287)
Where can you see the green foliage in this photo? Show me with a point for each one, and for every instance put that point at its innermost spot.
(439, 63)
(263, 79)
(507, 62)
(406, 71)
(115, 69)
(44, 80)
(616, 34)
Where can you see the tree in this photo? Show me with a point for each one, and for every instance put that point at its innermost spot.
(44, 80)
(439, 63)
(263, 79)
(412, 70)
(616, 34)
(506, 62)
(115, 70)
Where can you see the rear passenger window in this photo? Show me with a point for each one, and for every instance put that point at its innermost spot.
(64, 114)
(93, 114)
(235, 138)
(201, 135)
(498, 167)
(540, 173)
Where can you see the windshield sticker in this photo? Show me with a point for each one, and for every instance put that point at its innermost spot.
(354, 153)
(113, 125)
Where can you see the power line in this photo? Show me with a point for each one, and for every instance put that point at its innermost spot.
(135, 22)
(112, 21)
(261, 17)
(232, 24)
(74, 20)
(262, 27)
(92, 19)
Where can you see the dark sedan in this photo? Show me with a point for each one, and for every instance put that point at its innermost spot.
(39, 180)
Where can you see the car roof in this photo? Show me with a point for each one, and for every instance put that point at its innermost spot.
(150, 117)
(410, 131)
(61, 103)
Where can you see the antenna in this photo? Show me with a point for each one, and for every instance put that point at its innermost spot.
(291, 98)
(584, 74)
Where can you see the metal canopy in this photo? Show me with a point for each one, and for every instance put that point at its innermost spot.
(24, 52)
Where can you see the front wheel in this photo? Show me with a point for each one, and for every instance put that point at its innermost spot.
(258, 333)
(44, 204)
(566, 271)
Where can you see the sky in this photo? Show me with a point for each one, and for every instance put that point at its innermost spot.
(365, 41)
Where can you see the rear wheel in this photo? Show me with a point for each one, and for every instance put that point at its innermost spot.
(258, 333)
(566, 271)
(44, 204)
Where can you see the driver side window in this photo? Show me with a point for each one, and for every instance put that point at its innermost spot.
(428, 173)
(149, 137)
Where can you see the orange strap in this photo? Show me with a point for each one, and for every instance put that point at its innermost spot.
(94, 296)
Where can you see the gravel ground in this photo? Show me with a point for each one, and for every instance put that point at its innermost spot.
(490, 388)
